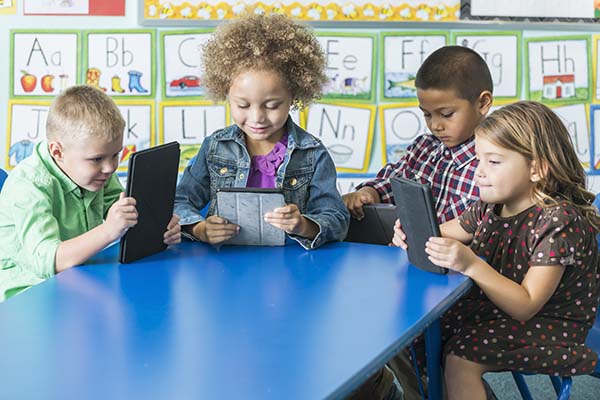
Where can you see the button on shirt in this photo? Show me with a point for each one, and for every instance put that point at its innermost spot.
(449, 171)
(40, 207)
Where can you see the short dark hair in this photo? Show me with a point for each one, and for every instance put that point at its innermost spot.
(458, 68)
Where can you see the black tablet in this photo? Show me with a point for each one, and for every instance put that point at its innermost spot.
(151, 181)
(377, 226)
(416, 210)
(246, 207)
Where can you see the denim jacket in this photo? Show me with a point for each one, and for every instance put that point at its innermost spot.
(307, 177)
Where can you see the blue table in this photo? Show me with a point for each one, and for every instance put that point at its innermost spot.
(235, 323)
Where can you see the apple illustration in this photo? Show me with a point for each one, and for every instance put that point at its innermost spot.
(28, 81)
(47, 83)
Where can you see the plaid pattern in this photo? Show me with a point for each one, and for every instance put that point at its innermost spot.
(449, 171)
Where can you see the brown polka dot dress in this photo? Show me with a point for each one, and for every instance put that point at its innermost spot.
(552, 342)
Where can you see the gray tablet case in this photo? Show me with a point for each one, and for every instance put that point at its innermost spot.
(151, 180)
(415, 207)
(246, 207)
(377, 227)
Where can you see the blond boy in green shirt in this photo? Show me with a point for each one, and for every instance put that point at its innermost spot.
(63, 204)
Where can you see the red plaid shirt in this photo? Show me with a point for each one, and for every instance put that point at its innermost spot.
(449, 171)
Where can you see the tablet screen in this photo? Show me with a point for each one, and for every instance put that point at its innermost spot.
(246, 207)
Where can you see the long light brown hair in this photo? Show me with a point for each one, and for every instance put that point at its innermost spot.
(538, 134)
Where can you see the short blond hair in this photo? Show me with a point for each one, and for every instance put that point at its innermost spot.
(81, 112)
(272, 42)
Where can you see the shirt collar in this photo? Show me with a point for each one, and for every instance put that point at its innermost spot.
(67, 184)
(462, 154)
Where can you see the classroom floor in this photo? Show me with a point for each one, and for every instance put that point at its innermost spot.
(584, 387)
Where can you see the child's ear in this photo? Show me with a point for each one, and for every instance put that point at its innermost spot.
(56, 150)
(484, 102)
(538, 173)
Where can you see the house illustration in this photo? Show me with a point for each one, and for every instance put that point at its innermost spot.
(559, 86)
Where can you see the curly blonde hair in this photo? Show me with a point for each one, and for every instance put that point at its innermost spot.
(265, 42)
(538, 134)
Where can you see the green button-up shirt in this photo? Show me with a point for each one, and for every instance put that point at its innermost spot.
(40, 207)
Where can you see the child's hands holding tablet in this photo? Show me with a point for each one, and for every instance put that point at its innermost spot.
(289, 219)
(173, 233)
(215, 230)
(121, 216)
(450, 253)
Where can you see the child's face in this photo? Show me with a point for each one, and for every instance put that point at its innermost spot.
(450, 118)
(260, 103)
(503, 176)
(89, 162)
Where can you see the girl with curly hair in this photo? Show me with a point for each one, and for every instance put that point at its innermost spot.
(264, 65)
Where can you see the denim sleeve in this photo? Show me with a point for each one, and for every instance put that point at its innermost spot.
(193, 190)
(325, 206)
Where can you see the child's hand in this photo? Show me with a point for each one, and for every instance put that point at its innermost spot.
(215, 230)
(356, 200)
(173, 233)
(399, 239)
(289, 219)
(121, 216)
(450, 253)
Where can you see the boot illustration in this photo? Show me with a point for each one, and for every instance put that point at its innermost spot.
(92, 78)
(134, 82)
(116, 84)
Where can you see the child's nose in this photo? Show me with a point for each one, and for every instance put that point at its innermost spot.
(109, 166)
(258, 115)
(479, 171)
(436, 124)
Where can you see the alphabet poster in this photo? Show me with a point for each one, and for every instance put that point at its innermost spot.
(575, 119)
(502, 54)
(347, 132)
(595, 143)
(559, 69)
(192, 11)
(43, 63)
(401, 56)
(140, 130)
(181, 63)
(595, 68)
(350, 65)
(189, 122)
(121, 63)
(400, 124)
(26, 127)
(346, 183)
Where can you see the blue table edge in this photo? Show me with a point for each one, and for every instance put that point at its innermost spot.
(420, 327)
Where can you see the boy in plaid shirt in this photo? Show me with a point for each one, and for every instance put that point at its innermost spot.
(454, 89)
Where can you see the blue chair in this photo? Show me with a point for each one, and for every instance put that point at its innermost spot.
(562, 385)
(3, 176)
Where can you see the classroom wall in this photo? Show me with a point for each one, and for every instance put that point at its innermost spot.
(375, 148)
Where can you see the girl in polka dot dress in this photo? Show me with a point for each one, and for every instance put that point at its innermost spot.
(530, 247)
